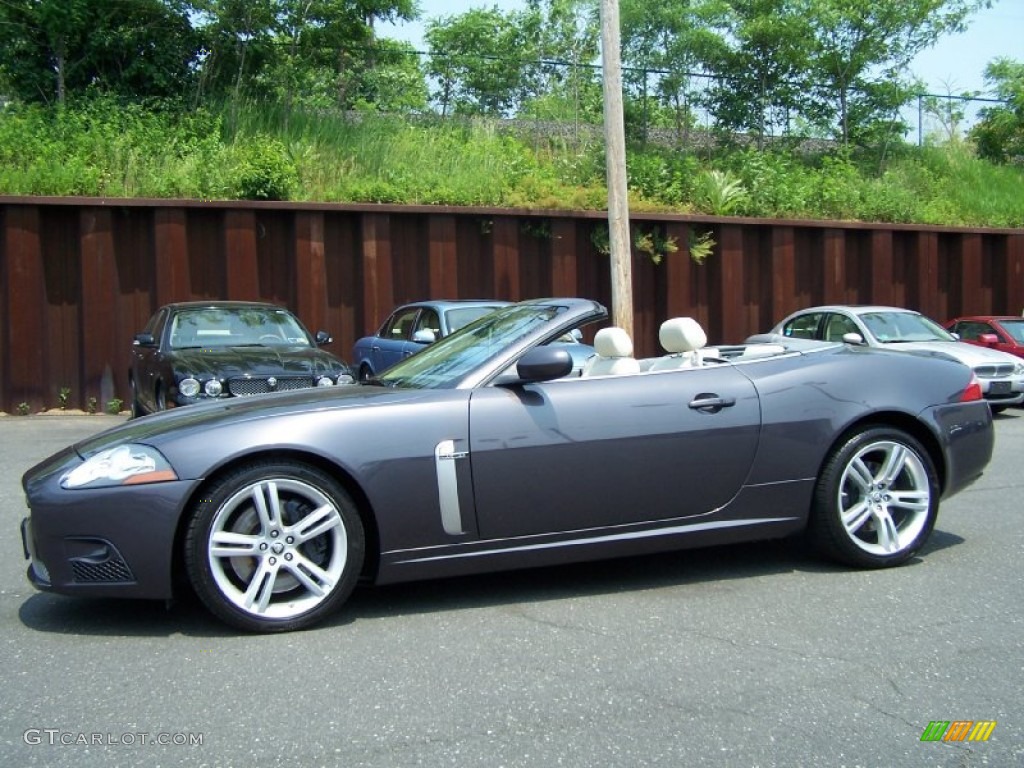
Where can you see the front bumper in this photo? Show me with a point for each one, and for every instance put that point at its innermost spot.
(106, 542)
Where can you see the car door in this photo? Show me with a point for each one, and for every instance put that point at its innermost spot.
(146, 360)
(585, 453)
(392, 343)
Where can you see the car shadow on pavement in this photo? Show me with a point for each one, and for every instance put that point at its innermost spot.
(187, 616)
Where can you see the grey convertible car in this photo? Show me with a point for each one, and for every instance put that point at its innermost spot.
(485, 452)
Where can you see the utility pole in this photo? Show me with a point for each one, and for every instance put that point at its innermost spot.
(615, 160)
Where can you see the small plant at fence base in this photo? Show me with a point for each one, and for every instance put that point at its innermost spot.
(63, 397)
(91, 405)
(114, 406)
(24, 409)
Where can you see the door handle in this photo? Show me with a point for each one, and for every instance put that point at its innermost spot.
(711, 403)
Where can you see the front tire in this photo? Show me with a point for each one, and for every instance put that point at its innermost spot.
(274, 546)
(876, 500)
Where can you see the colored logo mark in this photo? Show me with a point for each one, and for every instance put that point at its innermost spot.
(958, 730)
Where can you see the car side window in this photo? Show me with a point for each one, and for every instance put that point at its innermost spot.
(399, 326)
(429, 321)
(837, 326)
(803, 327)
(971, 330)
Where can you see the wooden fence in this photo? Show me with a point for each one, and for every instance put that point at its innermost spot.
(80, 276)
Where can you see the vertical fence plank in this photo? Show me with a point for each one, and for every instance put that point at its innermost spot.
(170, 250)
(377, 269)
(969, 283)
(506, 258)
(730, 298)
(25, 303)
(99, 300)
(310, 269)
(444, 264)
(241, 255)
(1012, 300)
(923, 293)
(563, 258)
(880, 259)
(783, 277)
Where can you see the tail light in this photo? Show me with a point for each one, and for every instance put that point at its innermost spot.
(973, 391)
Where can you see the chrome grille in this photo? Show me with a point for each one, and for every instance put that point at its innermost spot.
(241, 387)
(994, 371)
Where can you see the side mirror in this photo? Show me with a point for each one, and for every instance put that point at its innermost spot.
(424, 336)
(323, 337)
(144, 340)
(543, 364)
(988, 339)
(853, 338)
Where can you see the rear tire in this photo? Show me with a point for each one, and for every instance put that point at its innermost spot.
(876, 500)
(365, 374)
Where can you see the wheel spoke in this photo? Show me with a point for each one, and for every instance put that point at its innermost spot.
(855, 517)
(270, 514)
(885, 526)
(317, 522)
(861, 475)
(313, 577)
(261, 588)
(231, 544)
(895, 462)
(913, 501)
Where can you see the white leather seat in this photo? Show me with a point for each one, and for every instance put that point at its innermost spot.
(683, 339)
(614, 355)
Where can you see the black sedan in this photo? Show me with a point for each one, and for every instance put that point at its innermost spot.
(193, 352)
(483, 452)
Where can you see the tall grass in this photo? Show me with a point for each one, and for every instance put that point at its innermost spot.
(108, 149)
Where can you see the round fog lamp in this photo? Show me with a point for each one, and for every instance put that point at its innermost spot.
(213, 388)
(324, 381)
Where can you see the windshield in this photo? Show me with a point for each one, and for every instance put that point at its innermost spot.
(1015, 328)
(897, 327)
(445, 363)
(236, 327)
(457, 318)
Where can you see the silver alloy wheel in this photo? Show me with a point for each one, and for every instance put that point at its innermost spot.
(884, 497)
(277, 548)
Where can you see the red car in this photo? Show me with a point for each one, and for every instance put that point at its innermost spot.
(1002, 332)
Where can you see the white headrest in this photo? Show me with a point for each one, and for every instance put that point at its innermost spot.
(613, 342)
(681, 334)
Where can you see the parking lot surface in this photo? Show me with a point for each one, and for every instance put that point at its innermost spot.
(755, 655)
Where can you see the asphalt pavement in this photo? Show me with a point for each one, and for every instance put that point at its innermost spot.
(754, 655)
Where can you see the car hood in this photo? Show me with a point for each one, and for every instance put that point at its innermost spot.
(968, 354)
(227, 362)
(196, 419)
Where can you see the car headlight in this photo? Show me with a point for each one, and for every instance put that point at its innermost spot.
(324, 381)
(345, 379)
(188, 387)
(1018, 369)
(128, 464)
(213, 388)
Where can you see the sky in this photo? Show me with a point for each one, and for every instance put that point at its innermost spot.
(954, 65)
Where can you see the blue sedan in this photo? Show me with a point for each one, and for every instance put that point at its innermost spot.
(413, 326)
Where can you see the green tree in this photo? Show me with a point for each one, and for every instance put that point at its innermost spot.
(859, 51)
(999, 135)
(483, 61)
(762, 67)
(666, 44)
(132, 48)
(568, 87)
